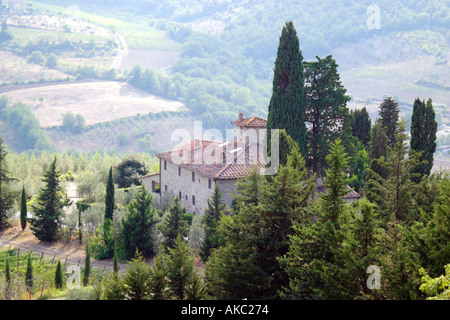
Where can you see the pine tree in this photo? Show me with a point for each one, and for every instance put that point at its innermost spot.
(175, 224)
(114, 288)
(180, 268)
(23, 210)
(393, 192)
(423, 136)
(196, 289)
(429, 236)
(283, 204)
(50, 202)
(136, 281)
(29, 278)
(228, 271)
(361, 125)
(388, 113)
(158, 277)
(288, 102)
(246, 265)
(326, 109)
(377, 154)
(314, 261)
(137, 225)
(87, 267)
(361, 245)
(58, 276)
(211, 218)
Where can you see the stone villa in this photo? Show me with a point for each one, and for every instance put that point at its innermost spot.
(192, 170)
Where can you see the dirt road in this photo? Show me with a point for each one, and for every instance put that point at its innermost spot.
(71, 253)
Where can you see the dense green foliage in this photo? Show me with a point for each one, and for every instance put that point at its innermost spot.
(287, 106)
(23, 124)
(5, 194)
(326, 109)
(210, 221)
(137, 226)
(361, 125)
(49, 204)
(423, 135)
(389, 117)
(175, 223)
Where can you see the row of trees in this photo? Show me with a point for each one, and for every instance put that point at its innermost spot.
(310, 104)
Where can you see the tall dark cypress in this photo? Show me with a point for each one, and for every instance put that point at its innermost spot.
(287, 106)
(23, 210)
(29, 279)
(423, 136)
(109, 199)
(361, 125)
(87, 267)
(389, 118)
(58, 276)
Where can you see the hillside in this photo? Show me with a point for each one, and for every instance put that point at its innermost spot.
(216, 58)
(97, 102)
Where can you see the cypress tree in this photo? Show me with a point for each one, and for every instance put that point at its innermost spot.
(361, 125)
(286, 144)
(115, 262)
(287, 106)
(326, 111)
(23, 210)
(58, 276)
(7, 278)
(210, 221)
(109, 212)
(29, 280)
(388, 113)
(87, 267)
(109, 198)
(423, 136)
(50, 202)
(7, 271)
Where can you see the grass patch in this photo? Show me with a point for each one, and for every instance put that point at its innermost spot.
(371, 73)
(430, 42)
(139, 34)
(24, 36)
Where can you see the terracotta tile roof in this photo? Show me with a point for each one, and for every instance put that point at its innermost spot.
(352, 194)
(216, 160)
(253, 122)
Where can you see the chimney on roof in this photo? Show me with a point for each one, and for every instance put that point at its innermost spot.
(241, 116)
